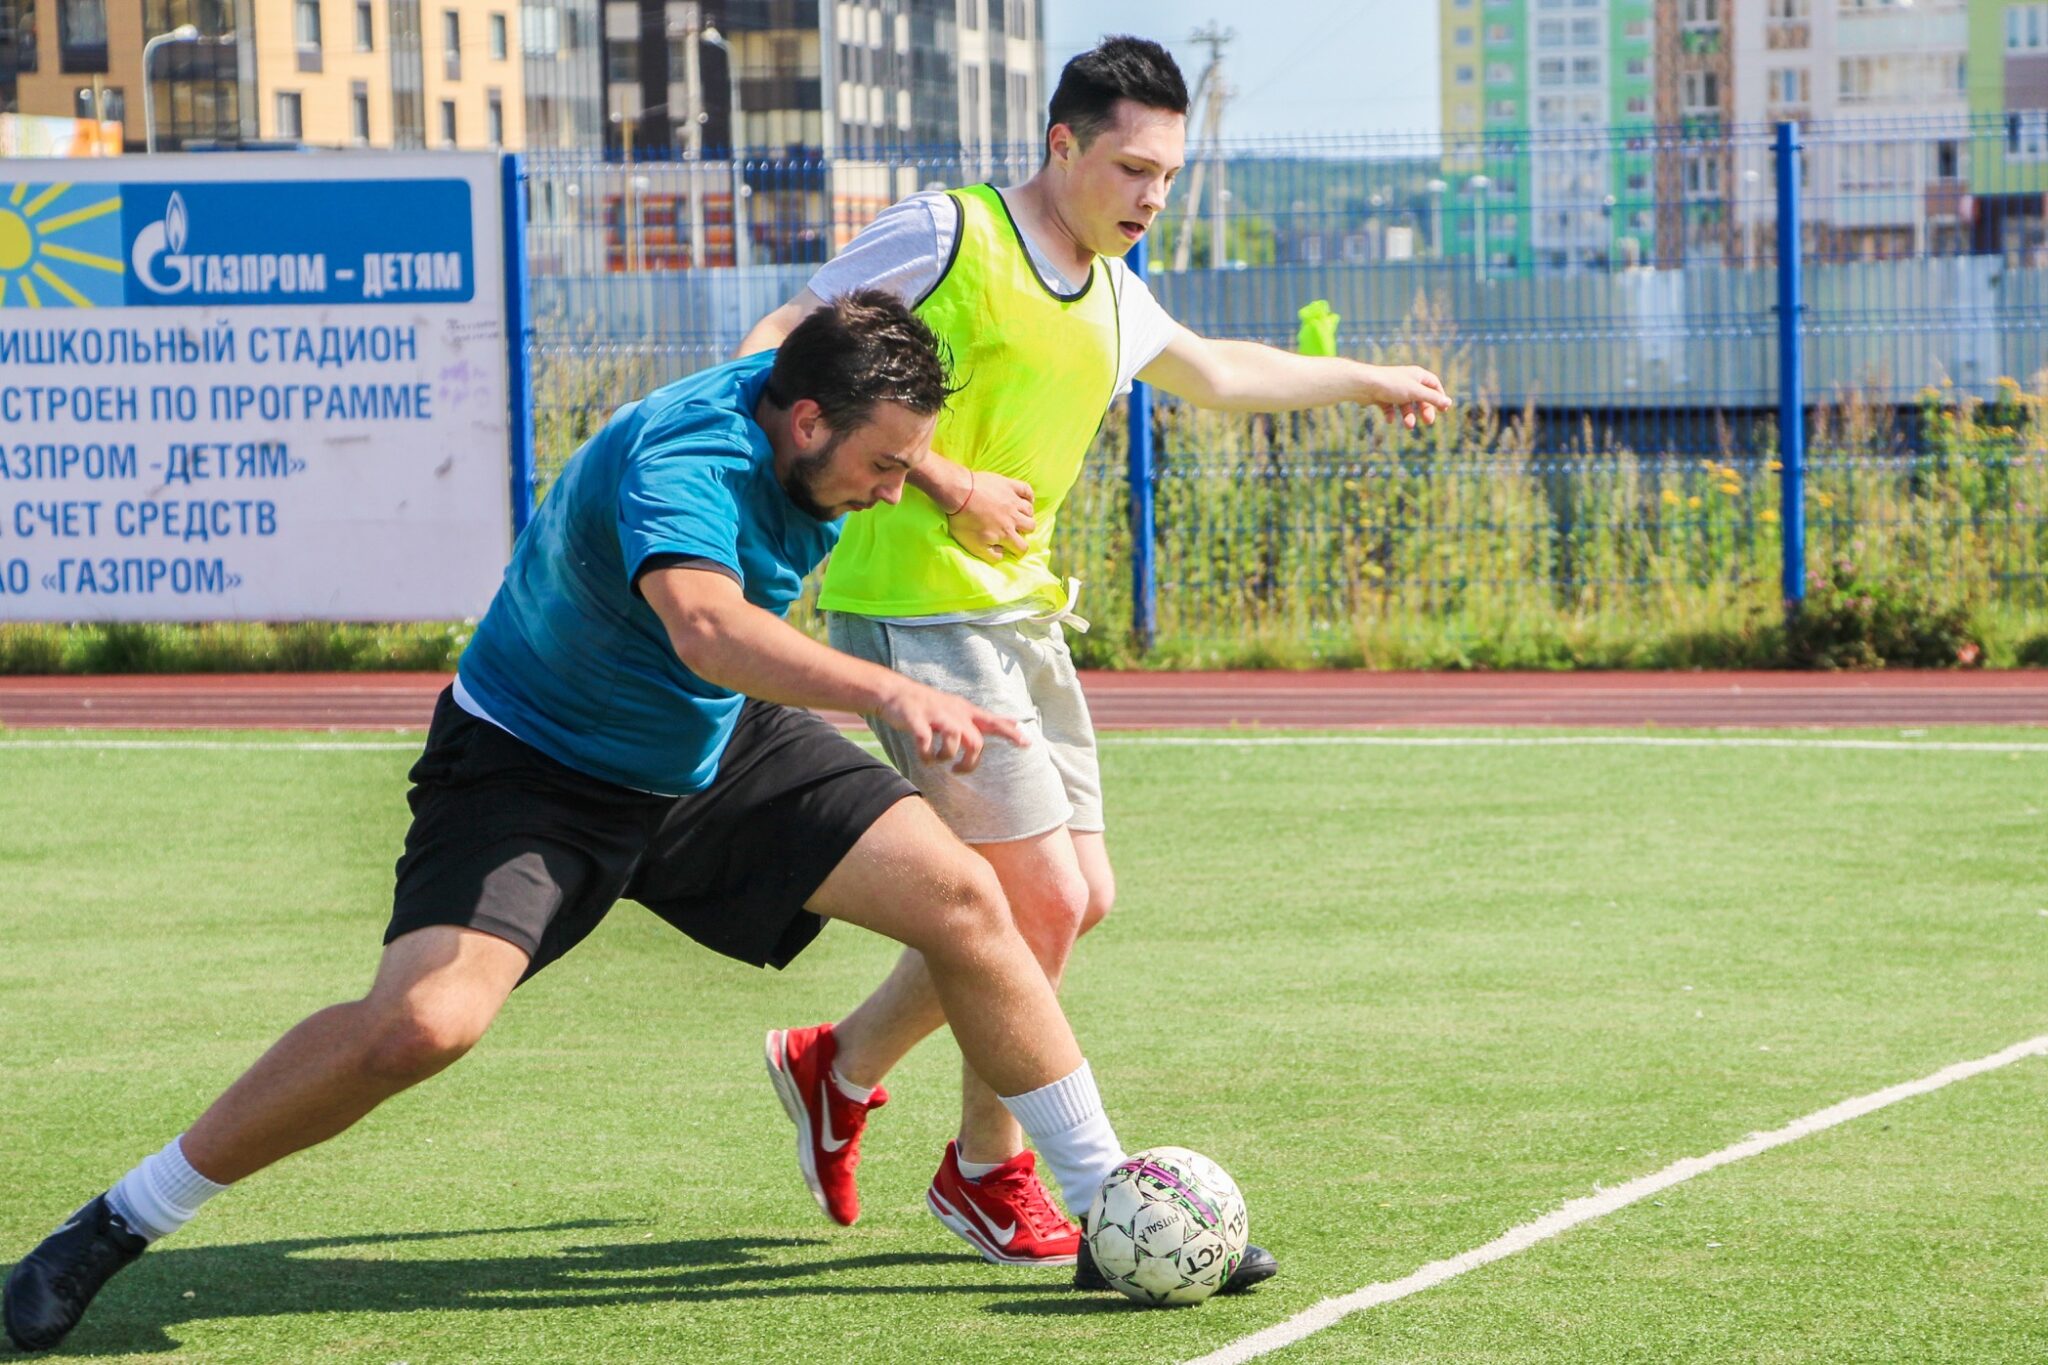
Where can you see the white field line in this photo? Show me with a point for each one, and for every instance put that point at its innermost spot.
(1575, 741)
(1118, 741)
(1331, 1311)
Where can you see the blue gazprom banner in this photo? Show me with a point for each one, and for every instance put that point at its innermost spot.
(199, 243)
(242, 386)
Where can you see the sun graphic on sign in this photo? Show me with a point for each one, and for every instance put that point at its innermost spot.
(60, 246)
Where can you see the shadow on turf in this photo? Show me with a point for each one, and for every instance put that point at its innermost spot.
(139, 1311)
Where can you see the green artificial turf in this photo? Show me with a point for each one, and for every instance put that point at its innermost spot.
(1410, 996)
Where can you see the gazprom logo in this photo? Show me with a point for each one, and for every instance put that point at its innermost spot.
(163, 265)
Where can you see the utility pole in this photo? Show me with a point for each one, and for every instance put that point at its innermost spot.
(1218, 93)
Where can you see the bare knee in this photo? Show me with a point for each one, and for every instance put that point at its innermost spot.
(1050, 911)
(1101, 899)
(969, 908)
(406, 1041)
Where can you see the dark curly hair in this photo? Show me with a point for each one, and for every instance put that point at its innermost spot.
(1117, 68)
(865, 348)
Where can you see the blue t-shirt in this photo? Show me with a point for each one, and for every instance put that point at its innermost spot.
(569, 658)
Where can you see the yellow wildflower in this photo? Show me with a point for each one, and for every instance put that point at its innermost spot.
(1670, 498)
(1731, 489)
(1774, 465)
(1768, 517)
(1692, 503)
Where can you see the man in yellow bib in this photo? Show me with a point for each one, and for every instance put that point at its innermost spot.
(954, 585)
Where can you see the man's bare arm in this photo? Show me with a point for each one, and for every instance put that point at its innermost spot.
(987, 513)
(728, 641)
(1243, 376)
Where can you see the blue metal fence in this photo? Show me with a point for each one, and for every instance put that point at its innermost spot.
(1671, 360)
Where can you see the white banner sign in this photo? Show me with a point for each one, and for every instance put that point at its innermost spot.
(258, 386)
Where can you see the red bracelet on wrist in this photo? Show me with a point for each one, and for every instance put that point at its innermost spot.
(969, 498)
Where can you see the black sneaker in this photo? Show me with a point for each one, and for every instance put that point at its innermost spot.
(1257, 1267)
(48, 1292)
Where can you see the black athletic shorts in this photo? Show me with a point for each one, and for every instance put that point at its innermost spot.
(506, 840)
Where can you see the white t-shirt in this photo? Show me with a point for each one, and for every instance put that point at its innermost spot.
(909, 242)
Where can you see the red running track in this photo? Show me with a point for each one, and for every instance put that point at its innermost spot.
(1136, 701)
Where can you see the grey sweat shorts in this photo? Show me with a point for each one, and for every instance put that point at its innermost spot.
(1021, 670)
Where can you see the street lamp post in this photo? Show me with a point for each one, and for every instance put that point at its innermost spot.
(1436, 190)
(1607, 207)
(183, 33)
(740, 246)
(1479, 185)
(636, 185)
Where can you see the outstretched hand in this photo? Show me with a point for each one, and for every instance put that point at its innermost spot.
(1407, 393)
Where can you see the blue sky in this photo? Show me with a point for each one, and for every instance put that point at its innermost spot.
(1299, 66)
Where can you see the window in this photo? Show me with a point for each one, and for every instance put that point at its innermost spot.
(540, 30)
(1700, 12)
(1500, 73)
(1550, 33)
(451, 44)
(306, 24)
(366, 27)
(1638, 66)
(1585, 33)
(1550, 71)
(112, 105)
(500, 43)
(1700, 90)
(494, 117)
(1501, 109)
(81, 36)
(1462, 35)
(621, 59)
(970, 15)
(1636, 29)
(1948, 160)
(1786, 9)
(1789, 85)
(448, 123)
(1499, 35)
(1585, 71)
(1465, 75)
(2026, 135)
(359, 111)
(289, 122)
(1638, 104)
(1702, 176)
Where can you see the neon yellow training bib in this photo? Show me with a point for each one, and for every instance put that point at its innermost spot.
(1039, 370)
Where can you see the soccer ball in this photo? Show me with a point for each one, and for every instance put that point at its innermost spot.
(1167, 1227)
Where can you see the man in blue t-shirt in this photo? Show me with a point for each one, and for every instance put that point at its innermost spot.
(624, 727)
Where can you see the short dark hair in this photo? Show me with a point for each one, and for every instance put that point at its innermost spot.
(1117, 68)
(863, 349)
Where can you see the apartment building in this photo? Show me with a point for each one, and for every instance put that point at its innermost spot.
(2008, 95)
(1539, 99)
(332, 73)
(1584, 77)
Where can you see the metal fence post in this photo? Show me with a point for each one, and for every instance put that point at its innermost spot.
(519, 338)
(1791, 376)
(1144, 604)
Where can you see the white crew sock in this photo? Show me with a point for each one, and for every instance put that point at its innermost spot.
(1066, 1124)
(859, 1094)
(160, 1196)
(974, 1170)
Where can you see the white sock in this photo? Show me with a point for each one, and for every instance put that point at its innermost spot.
(974, 1170)
(160, 1196)
(859, 1094)
(1066, 1124)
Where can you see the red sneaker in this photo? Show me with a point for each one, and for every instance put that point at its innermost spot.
(828, 1125)
(1006, 1215)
